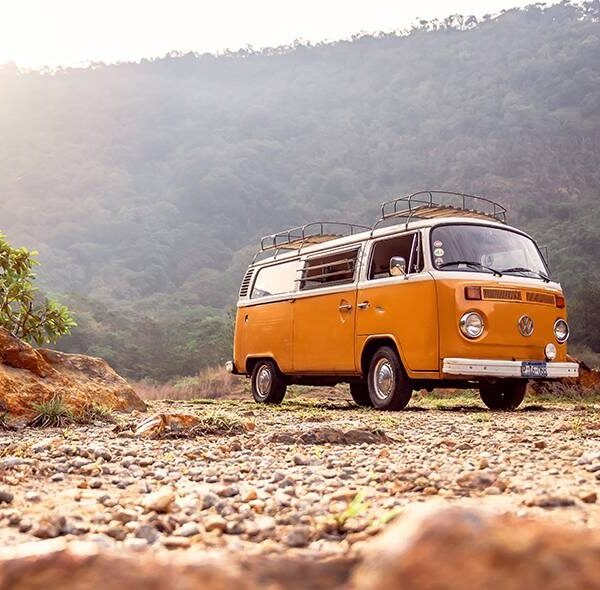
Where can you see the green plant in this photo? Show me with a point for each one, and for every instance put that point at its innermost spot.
(52, 413)
(356, 507)
(22, 312)
(95, 412)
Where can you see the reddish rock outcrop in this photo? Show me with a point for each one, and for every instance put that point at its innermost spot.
(57, 565)
(454, 548)
(29, 376)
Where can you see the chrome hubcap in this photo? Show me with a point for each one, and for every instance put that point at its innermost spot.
(263, 381)
(383, 379)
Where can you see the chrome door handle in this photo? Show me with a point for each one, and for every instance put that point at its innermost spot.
(363, 305)
(345, 307)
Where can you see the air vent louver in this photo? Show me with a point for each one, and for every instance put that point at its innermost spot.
(503, 294)
(534, 297)
(246, 282)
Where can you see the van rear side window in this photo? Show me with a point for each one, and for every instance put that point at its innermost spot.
(329, 270)
(275, 279)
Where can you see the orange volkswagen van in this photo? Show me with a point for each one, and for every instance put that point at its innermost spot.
(439, 292)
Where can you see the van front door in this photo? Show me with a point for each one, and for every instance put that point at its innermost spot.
(404, 307)
(324, 313)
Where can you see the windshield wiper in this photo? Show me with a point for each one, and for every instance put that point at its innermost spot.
(473, 264)
(542, 276)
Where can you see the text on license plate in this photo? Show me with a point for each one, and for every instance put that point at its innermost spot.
(534, 369)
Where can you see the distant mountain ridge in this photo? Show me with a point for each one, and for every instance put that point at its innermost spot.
(146, 186)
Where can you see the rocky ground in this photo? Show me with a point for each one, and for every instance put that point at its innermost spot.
(310, 477)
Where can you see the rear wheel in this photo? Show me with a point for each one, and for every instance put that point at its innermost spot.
(360, 394)
(389, 387)
(268, 386)
(503, 395)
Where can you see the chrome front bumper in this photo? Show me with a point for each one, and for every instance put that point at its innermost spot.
(493, 368)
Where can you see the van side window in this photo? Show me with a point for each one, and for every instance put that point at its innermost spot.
(329, 270)
(398, 246)
(275, 279)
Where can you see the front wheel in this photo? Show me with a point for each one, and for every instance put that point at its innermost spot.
(268, 386)
(503, 395)
(389, 387)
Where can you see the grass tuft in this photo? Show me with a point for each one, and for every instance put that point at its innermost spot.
(52, 413)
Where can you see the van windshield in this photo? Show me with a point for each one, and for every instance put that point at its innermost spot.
(480, 248)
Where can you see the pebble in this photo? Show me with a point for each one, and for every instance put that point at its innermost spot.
(297, 537)
(6, 497)
(160, 501)
(188, 529)
(148, 533)
(215, 523)
(176, 542)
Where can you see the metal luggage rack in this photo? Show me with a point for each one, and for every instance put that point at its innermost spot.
(311, 233)
(423, 205)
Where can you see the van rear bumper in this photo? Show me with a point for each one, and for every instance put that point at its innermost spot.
(496, 368)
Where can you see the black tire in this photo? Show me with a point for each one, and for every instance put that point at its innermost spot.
(389, 387)
(268, 385)
(360, 394)
(503, 395)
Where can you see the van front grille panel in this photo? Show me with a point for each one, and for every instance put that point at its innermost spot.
(502, 294)
(534, 297)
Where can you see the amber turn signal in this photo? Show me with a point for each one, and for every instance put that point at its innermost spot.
(560, 301)
(473, 293)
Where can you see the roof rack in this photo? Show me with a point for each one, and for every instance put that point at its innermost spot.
(423, 205)
(311, 233)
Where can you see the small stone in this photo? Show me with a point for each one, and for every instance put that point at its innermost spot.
(301, 460)
(135, 544)
(6, 497)
(117, 533)
(540, 444)
(249, 495)
(492, 491)
(57, 477)
(215, 523)
(147, 532)
(32, 496)
(227, 491)
(161, 500)
(588, 497)
(344, 495)
(297, 537)
(188, 529)
(176, 542)
(549, 501)
(95, 483)
(208, 500)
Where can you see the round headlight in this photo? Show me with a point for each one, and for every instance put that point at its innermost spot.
(550, 351)
(561, 330)
(471, 325)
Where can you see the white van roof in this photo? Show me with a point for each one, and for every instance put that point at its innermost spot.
(421, 209)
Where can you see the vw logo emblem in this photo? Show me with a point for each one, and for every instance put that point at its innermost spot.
(526, 325)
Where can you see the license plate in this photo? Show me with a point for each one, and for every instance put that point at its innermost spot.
(534, 369)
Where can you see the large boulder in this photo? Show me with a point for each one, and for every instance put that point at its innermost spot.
(31, 376)
(434, 548)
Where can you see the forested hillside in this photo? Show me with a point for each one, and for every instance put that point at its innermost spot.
(145, 186)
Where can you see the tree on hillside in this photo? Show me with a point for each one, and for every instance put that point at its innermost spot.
(21, 311)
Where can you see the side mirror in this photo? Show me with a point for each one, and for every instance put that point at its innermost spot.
(397, 266)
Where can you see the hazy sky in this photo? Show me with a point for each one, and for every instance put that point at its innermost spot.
(34, 33)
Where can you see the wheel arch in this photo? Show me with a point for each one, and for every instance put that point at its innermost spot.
(252, 360)
(372, 344)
